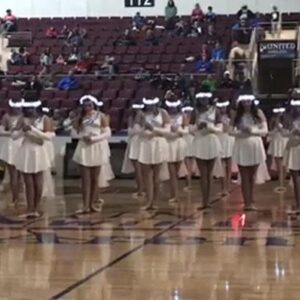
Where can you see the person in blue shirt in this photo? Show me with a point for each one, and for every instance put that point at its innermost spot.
(210, 15)
(218, 53)
(68, 83)
(139, 21)
(203, 65)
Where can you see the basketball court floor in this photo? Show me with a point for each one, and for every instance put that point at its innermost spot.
(176, 253)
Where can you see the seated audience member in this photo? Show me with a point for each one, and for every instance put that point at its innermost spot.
(210, 16)
(197, 13)
(245, 13)
(170, 15)
(34, 85)
(242, 32)
(60, 60)
(138, 21)
(51, 33)
(209, 84)
(126, 39)
(82, 31)
(64, 33)
(46, 58)
(218, 53)
(195, 30)
(85, 64)
(227, 82)
(9, 22)
(46, 78)
(25, 55)
(211, 36)
(74, 38)
(108, 66)
(74, 56)
(68, 83)
(15, 58)
(180, 28)
(150, 38)
(203, 65)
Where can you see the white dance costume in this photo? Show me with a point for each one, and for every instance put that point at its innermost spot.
(176, 142)
(133, 148)
(248, 148)
(226, 140)
(97, 153)
(278, 140)
(206, 145)
(154, 148)
(292, 153)
(33, 158)
(9, 147)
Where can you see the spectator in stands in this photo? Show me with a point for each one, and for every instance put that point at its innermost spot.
(197, 13)
(142, 74)
(9, 22)
(25, 55)
(126, 39)
(218, 53)
(211, 37)
(51, 32)
(170, 15)
(74, 56)
(180, 28)
(46, 58)
(108, 66)
(81, 31)
(68, 83)
(60, 60)
(15, 58)
(242, 32)
(46, 78)
(74, 38)
(227, 82)
(85, 64)
(138, 21)
(210, 16)
(244, 83)
(209, 84)
(150, 38)
(195, 30)
(203, 65)
(275, 21)
(245, 13)
(34, 85)
(64, 33)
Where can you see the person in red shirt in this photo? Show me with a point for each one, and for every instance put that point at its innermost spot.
(51, 33)
(197, 13)
(9, 21)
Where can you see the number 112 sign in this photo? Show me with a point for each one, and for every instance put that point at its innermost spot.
(139, 3)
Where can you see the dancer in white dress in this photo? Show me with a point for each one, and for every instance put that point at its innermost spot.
(131, 163)
(91, 152)
(278, 136)
(9, 147)
(206, 146)
(227, 142)
(155, 123)
(189, 160)
(292, 154)
(177, 144)
(248, 128)
(33, 159)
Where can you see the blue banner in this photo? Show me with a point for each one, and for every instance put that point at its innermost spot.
(277, 49)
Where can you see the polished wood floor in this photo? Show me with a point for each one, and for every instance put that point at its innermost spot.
(175, 253)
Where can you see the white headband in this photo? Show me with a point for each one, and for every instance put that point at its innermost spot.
(151, 101)
(245, 98)
(15, 104)
(173, 104)
(45, 109)
(222, 104)
(187, 108)
(204, 95)
(256, 102)
(91, 99)
(279, 110)
(295, 102)
(32, 104)
(137, 106)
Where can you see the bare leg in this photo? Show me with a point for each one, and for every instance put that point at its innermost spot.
(226, 180)
(149, 185)
(252, 177)
(245, 184)
(156, 183)
(38, 189)
(296, 182)
(173, 170)
(86, 188)
(189, 165)
(203, 180)
(210, 166)
(281, 173)
(94, 176)
(138, 177)
(29, 190)
(14, 183)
